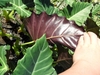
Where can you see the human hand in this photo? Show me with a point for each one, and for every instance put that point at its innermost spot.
(88, 51)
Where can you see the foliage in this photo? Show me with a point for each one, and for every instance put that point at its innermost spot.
(30, 64)
(3, 3)
(20, 7)
(81, 14)
(3, 61)
(56, 29)
(62, 21)
(44, 5)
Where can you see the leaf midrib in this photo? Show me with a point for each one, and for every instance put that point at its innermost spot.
(79, 12)
(20, 7)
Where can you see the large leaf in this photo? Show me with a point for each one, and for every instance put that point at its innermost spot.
(57, 29)
(44, 5)
(37, 60)
(20, 7)
(80, 12)
(3, 60)
(3, 2)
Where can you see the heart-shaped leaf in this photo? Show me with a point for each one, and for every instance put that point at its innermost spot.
(37, 60)
(79, 12)
(57, 29)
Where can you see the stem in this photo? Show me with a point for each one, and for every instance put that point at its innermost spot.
(27, 43)
(6, 34)
(11, 15)
(46, 38)
(65, 59)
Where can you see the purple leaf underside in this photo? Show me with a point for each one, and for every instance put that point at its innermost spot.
(58, 30)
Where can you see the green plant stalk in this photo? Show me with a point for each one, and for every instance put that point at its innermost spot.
(6, 34)
(11, 15)
(5, 14)
(16, 47)
(27, 43)
(8, 14)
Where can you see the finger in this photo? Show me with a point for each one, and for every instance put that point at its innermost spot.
(86, 38)
(81, 41)
(93, 38)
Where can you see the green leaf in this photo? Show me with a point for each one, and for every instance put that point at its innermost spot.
(3, 60)
(70, 52)
(20, 7)
(37, 60)
(96, 9)
(96, 14)
(80, 12)
(44, 6)
(3, 2)
(70, 2)
(65, 12)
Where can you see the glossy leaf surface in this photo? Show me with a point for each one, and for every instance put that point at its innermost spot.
(37, 60)
(57, 29)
